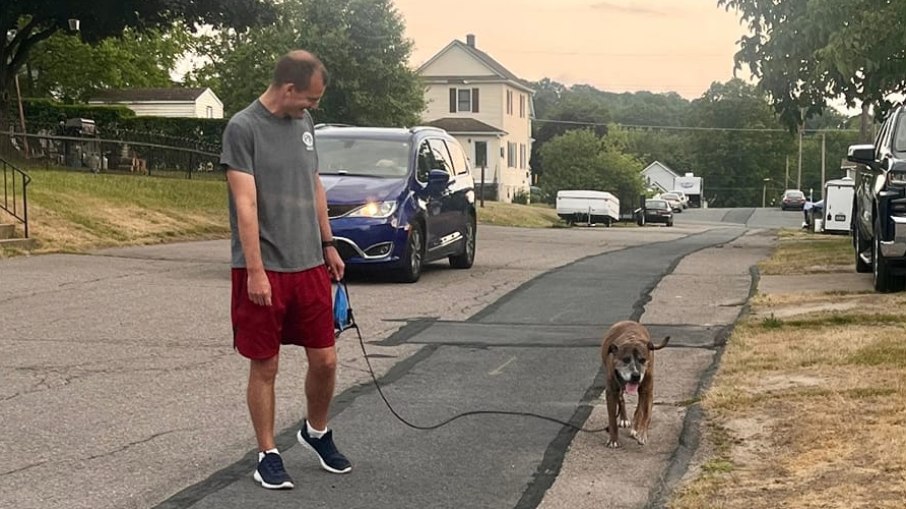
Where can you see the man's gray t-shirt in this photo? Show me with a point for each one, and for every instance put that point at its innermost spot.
(281, 154)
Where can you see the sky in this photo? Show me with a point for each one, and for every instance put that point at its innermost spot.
(614, 45)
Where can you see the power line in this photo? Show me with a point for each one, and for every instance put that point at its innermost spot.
(689, 128)
(615, 54)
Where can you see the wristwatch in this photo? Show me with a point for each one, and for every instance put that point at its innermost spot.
(328, 243)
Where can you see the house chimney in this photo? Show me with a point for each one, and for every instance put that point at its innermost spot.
(470, 40)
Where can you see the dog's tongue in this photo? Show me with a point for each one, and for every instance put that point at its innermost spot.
(632, 388)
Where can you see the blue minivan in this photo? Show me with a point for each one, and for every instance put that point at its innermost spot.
(397, 198)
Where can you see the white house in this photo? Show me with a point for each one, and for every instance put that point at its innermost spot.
(659, 177)
(165, 102)
(487, 108)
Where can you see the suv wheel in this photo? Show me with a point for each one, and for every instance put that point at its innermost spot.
(884, 279)
(415, 253)
(465, 259)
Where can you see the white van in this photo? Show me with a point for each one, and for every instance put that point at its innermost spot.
(590, 207)
(838, 205)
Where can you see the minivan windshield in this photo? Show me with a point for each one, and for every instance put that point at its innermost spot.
(363, 157)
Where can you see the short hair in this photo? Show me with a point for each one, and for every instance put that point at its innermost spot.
(298, 67)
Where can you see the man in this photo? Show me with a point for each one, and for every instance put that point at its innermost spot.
(283, 257)
(806, 209)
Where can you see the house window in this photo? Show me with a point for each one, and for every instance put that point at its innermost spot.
(522, 155)
(464, 100)
(209, 111)
(481, 154)
(511, 155)
(509, 102)
(521, 105)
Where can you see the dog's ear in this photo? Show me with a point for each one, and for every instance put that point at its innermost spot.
(612, 349)
(652, 346)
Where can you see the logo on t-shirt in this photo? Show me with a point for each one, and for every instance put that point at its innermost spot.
(308, 140)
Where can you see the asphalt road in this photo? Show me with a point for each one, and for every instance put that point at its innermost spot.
(121, 389)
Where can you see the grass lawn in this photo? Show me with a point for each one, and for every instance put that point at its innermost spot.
(808, 406)
(75, 211)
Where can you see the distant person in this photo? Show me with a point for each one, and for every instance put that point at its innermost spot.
(283, 257)
(805, 212)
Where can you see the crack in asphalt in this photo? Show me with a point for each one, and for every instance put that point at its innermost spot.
(98, 456)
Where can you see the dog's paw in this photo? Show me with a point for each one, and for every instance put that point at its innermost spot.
(613, 444)
(640, 437)
(624, 423)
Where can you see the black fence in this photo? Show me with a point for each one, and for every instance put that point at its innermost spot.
(142, 155)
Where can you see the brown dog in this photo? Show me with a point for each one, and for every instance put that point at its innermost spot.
(628, 357)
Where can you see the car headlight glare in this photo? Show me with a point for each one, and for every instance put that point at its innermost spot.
(378, 210)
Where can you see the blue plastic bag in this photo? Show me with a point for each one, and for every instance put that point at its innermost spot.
(342, 313)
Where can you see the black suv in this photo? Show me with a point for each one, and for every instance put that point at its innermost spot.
(879, 207)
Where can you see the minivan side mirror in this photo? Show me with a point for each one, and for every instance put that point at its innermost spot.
(438, 179)
(861, 154)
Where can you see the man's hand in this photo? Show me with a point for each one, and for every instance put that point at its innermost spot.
(259, 288)
(335, 265)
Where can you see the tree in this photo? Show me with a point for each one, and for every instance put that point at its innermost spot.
(564, 110)
(735, 162)
(66, 68)
(361, 42)
(805, 53)
(579, 159)
(25, 23)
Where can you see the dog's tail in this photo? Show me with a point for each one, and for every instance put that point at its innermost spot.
(652, 346)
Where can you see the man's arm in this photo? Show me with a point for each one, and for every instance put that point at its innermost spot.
(331, 256)
(245, 196)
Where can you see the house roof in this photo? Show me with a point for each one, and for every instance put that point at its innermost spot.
(662, 165)
(149, 94)
(492, 64)
(464, 125)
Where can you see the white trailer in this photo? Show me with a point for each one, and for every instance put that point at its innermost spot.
(692, 187)
(838, 205)
(589, 207)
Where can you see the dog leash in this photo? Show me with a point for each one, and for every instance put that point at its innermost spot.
(346, 322)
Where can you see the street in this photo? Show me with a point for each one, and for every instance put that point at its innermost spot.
(121, 388)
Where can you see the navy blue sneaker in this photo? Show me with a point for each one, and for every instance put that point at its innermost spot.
(331, 459)
(271, 474)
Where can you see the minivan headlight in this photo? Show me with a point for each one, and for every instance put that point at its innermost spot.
(377, 210)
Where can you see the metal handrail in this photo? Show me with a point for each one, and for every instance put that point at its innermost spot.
(11, 176)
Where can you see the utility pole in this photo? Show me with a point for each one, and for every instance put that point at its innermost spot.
(823, 162)
(786, 180)
(21, 114)
(799, 175)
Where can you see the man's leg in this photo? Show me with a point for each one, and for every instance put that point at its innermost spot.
(320, 382)
(319, 387)
(261, 400)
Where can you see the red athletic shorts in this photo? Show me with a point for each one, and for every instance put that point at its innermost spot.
(301, 313)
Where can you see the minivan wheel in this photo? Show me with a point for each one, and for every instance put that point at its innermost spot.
(465, 259)
(415, 252)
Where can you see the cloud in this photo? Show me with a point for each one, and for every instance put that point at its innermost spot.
(629, 8)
